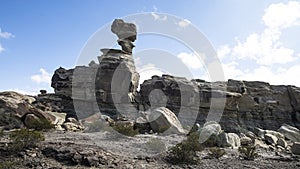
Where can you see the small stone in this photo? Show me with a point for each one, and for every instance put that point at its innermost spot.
(271, 139)
(296, 148)
(281, 142)
(246, 140)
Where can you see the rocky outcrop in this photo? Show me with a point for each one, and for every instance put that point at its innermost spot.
(110, 87)
(17, 111)
(248, 104)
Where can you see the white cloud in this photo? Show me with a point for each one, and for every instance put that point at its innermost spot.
(279, 16)
(1, 48)
(44, 77)
(231, 71)
(184, 23)
(265, 48)
(6, 35)
(280, 77)
(159, 16)
(147, 71)
(222, 51)
(192, 60)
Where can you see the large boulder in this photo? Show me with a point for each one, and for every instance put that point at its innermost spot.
(290, 132)
(209, 133)
(164, 120)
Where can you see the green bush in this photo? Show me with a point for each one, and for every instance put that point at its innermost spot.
(248, 152)
(216, 152)
(23, 139)
(125, 129)
(40, 125)
(7, 165)
(185, 152)
(162, 129)
(156, 145)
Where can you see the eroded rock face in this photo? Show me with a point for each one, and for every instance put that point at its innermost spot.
(248, 104)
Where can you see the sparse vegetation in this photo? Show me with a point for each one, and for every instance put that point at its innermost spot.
(125, 129)
(23, 139)
(248, 152)
(216, 152)
(96, 126)
(7, 165)
(156, 145)
(162, 129)
(185, 152)
(41, 125)
(1, 133)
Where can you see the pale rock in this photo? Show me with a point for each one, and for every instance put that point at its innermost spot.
(164, 120)
(290, 132)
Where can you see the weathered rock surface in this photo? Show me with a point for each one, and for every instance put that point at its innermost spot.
(109, 87)
(248, 104)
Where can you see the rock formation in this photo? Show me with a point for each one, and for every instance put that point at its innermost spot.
(126, 33)
(248, 104)
(113, 82)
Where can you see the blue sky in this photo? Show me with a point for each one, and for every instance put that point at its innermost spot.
(255, 40)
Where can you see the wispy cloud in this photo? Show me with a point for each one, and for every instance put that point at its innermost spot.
(1, 48)
(44, 77)
(159, 17)
(184, 23)
(6, 35)
(147, 71)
